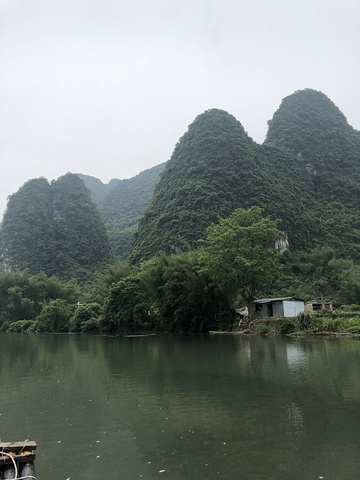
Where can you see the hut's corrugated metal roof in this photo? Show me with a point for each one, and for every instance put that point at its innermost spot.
(280, 299)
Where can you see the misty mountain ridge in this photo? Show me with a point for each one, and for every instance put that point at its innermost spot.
(122, 203)
(306, 173)
(98, 189)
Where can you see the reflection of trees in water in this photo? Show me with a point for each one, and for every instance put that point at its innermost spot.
(295, 420)
(258, 392)
(176, 399)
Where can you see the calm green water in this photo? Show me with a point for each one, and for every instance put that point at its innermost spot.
(198, 407)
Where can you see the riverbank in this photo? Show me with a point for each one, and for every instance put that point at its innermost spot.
(337, 323)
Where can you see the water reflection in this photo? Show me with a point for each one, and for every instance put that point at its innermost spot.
(202, 406)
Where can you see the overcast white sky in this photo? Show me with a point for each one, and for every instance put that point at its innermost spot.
(107, 87)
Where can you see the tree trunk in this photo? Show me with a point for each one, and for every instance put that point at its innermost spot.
(251, 308)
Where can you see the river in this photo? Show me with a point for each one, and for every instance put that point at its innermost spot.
(183, 407)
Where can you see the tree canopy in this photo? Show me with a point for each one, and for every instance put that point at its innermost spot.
(239, 254)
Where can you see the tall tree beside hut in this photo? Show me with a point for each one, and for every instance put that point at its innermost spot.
(239, 254)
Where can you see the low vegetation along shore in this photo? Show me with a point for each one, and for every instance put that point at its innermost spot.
(344, 321)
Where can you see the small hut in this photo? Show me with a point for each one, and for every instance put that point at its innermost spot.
(278, 307)
(316, 305)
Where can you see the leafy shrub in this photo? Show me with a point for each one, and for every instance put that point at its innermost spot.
(262, 329)
(88, 312)
(4, 326)
(353, 329)
(20, 326)
(349, 308)
(54, 316)
(287, 326)
(90, 326)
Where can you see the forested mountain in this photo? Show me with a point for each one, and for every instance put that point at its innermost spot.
(313, 128)
(54, 228)
(215, 168)
(122, 203)
(306, 174)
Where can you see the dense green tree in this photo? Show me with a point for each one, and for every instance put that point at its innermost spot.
(167, 293)
(85, 318)
(98, 288)
(349, 286)
(239, 254)
(22, 295)
(127, 308)
(184, 298)
(320, 273)
(55, 316)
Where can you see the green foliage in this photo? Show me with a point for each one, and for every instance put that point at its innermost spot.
(349, 308)
(53, 228)
(85, 318)
(239, 254)
(319, 273)
(286, 327)
(22, 295)
(273, 326)
(55, 316)
(127, 307)
(99, 288)
(334, 324)
(185, 298)
(22, 326)
(349, 285)
(167, 293)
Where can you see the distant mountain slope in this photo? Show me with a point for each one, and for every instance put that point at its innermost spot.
(54, 228)
(98, 189)
(214, 169)
(310, 125)
(122, 203)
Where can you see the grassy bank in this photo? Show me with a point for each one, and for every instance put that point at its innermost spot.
(315, 323)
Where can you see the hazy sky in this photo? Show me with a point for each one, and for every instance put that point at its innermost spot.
(107, 87)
